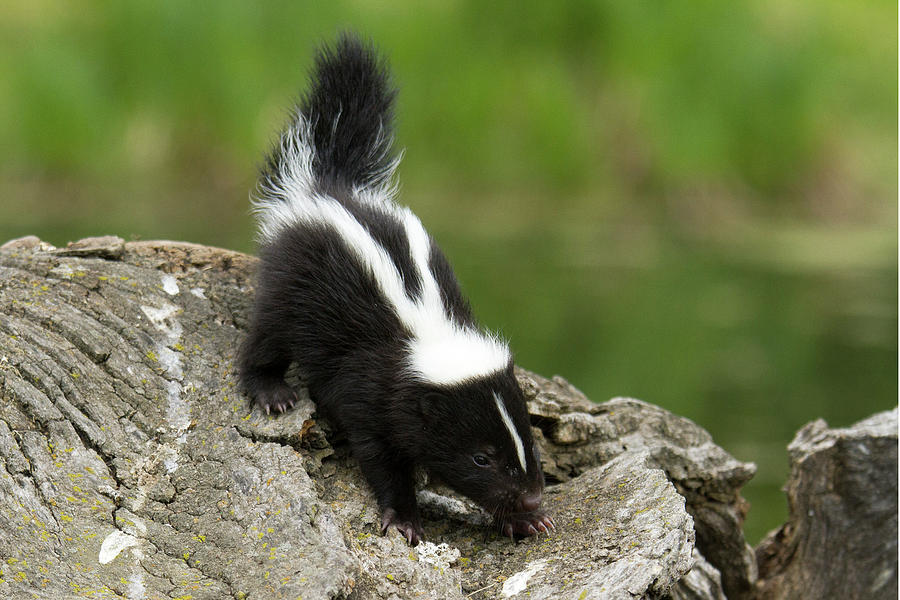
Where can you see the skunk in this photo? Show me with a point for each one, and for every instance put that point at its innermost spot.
(352, 288)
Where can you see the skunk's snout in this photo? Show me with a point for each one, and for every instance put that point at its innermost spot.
(529, 502)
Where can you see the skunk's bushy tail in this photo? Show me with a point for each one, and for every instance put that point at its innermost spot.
(341, 133)
(350, 108)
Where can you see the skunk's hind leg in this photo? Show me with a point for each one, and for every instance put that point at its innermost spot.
(261, 366)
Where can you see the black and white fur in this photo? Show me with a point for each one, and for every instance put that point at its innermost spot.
(354, 290)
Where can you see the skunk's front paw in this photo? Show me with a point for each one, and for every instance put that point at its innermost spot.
(527, 524)
(277, 398)
(410, 527)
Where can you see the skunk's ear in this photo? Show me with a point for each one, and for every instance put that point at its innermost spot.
(432, 406)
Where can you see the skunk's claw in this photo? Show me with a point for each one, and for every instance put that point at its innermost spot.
(410, 528)
(278, 399)
(525, 524)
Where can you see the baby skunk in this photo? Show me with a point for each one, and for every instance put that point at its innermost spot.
(352, 288)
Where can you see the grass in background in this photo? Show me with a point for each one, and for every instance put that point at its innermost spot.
(691, 202)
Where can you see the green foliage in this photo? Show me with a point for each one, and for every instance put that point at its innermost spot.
(534, 92)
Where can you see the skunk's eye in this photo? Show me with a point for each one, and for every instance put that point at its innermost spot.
(481, 460)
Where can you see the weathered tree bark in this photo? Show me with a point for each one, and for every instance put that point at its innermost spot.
(132, 467)
(840, 540)
(582, 434)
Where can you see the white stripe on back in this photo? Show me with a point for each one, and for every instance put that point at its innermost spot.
(441, 351)
(517, 441)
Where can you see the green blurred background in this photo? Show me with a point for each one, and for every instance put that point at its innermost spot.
(692, 202)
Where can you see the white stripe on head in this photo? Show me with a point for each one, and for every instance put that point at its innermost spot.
(517, 441)
(441, 351)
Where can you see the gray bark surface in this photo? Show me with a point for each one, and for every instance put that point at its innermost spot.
(840, 540)
(132, 467)
(580, 434)
(703, 582)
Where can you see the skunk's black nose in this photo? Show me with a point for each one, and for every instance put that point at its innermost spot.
(529, 502)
